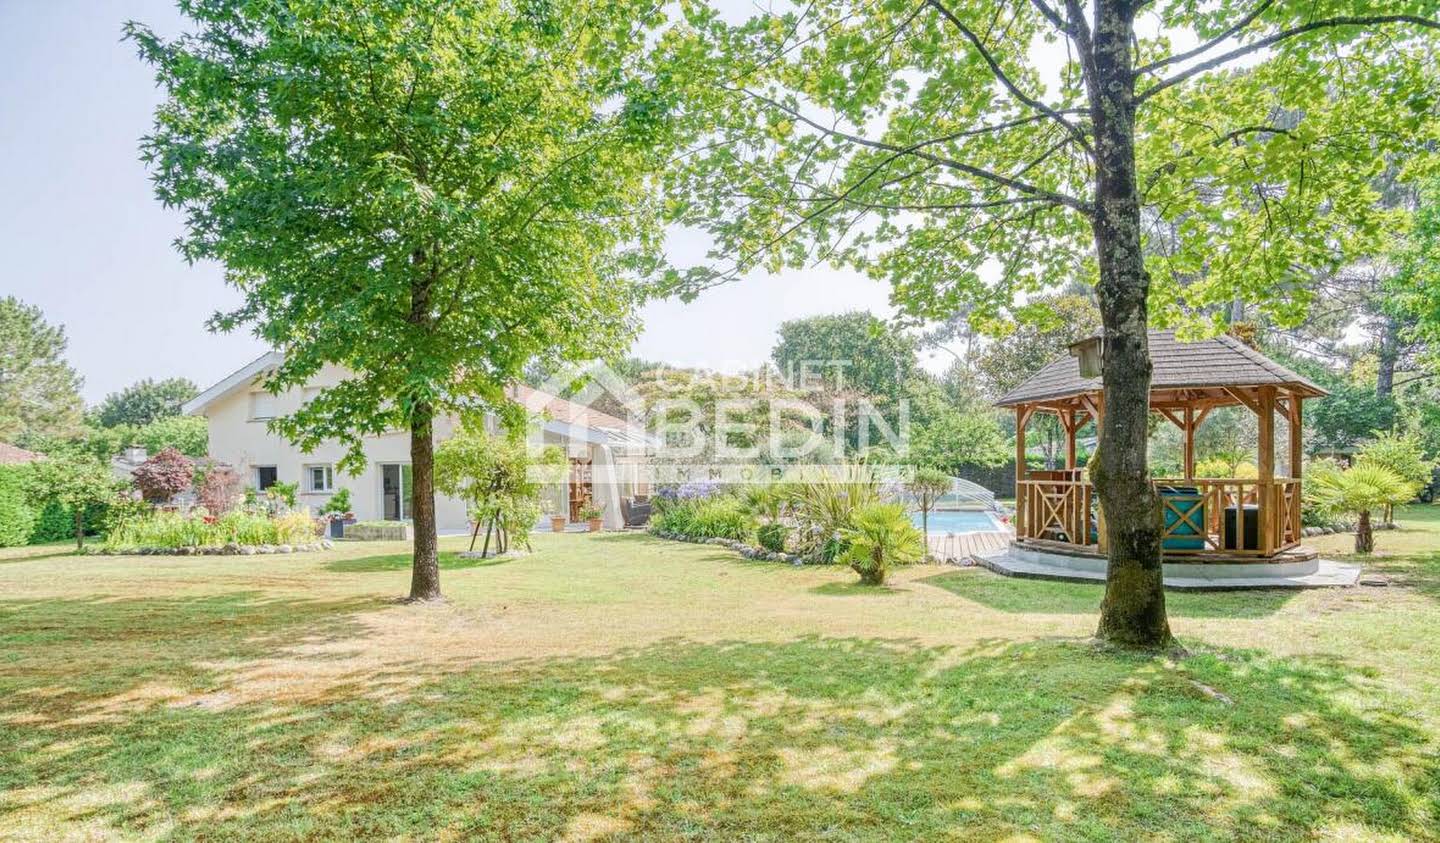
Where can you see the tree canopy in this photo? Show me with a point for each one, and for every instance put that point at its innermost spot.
(144, 402)
(39, 391)
(430, 196)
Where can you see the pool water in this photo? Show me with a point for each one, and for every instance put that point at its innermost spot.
(959, 521)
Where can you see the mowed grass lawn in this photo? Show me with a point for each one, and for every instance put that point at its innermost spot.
(620, 687)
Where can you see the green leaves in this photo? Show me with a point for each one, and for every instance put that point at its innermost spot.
(431, 197)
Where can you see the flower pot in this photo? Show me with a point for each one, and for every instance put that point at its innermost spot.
(595, 524)
(557, 523)
(337, 528)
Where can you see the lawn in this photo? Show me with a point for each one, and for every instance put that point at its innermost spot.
(617, 686)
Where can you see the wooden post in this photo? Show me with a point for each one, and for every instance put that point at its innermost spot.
(1265, 496)
(1189, 433)
(1022, 416)
(1297, 445)
(1067, 420)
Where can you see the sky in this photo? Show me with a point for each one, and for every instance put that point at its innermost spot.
(84, 239)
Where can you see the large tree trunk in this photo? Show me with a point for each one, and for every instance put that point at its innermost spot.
(1133, 611)
(425, 573)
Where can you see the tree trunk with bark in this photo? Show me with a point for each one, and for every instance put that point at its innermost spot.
(1133, 611)
(1364, 535)
(1389, 356)
(425, 573)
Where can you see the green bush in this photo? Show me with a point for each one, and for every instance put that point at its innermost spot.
(53, 523)
(17, 518)
(880, 537)
(772, 536)
(174, 530)
(709, 518)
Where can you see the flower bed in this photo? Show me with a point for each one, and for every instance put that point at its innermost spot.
(212, 549)
(749, 551)
(196, 533)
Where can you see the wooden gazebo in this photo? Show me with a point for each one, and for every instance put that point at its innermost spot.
(1206, 518)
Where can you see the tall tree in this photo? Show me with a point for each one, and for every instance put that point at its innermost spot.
(430, 195)
(144, 402)
(854, 351)
(39, 392)
(915, 138)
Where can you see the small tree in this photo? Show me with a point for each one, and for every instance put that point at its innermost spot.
(1358, 491)
(77, 482)
(164, 476)
(497, 478)
(927, 486)
(1403, 455)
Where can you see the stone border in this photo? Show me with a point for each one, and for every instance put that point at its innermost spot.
(215, 550)
(749, 551)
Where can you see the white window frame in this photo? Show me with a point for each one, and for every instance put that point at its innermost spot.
(255, 475)
(329, 486)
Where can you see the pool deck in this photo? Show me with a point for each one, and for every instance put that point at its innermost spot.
(1305, 571)
(956, 548)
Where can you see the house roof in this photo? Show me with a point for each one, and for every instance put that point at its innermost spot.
(1213, 363)
(11, 455)
(238, 379)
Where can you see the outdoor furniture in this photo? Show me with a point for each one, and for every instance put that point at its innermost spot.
(635, 511)
(1056, 509)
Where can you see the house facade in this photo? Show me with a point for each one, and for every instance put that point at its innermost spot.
(606, 455)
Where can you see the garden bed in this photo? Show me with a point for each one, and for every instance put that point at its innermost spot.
(213, 550)
(745, 549)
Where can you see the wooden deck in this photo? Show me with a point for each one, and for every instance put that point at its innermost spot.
(955, 547)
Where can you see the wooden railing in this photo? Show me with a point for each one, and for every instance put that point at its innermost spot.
(1202, 517)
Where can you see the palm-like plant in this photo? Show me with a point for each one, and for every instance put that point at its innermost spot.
(824, 507)
(1357, 491)
(880, 536)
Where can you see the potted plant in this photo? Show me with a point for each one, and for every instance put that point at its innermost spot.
(337, 511)
(591, 515)
(557, 521)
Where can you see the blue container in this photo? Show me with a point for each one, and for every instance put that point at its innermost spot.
(1180, 525)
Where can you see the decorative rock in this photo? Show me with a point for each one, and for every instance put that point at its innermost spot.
(247, 550)
(326, 544)
(284, 548)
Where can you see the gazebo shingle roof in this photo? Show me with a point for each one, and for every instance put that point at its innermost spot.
(1216, 362)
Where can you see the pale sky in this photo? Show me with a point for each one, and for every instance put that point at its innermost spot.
(84, 238)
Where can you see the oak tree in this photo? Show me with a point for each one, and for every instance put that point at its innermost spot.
(1212, 152)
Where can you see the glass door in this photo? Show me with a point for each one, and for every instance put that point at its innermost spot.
(395, 491)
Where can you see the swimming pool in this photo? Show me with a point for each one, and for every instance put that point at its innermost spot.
(960, 521)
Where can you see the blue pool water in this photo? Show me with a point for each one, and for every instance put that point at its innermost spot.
(959, 521)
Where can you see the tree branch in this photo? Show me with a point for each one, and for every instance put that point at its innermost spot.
(1208, 45)
(917, 150)
(1328, 23)
(1051, 15)
(1005, 80)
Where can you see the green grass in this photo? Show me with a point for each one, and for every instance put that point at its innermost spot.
(619, 686)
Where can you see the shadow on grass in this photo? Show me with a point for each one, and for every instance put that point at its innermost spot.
(852, 589)
(1048, 597)
(854, 738)
(449, 561)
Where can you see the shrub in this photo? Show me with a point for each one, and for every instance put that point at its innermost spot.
(219, 489)
(339, 503)
(17, 518)
(881, 536)
(53, 522)
(1358, 490)
(283, 494)
(824, 509)
(713, 518)
(164, 476)
(772, 536)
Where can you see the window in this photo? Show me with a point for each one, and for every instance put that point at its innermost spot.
(265, 477)
(262, 406)
(319, 478)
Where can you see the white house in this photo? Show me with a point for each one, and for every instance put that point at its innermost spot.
(607, 455)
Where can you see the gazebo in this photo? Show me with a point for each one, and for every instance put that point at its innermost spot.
(1206, 519)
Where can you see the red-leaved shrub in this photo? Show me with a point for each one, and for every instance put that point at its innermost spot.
(164, 476)
(219, 490)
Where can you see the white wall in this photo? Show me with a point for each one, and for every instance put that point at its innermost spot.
(244, 443)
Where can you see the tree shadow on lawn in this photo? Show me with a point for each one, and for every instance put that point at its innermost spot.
(811, 737)
(449, 561)
(1020, 595)
(854, 589)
